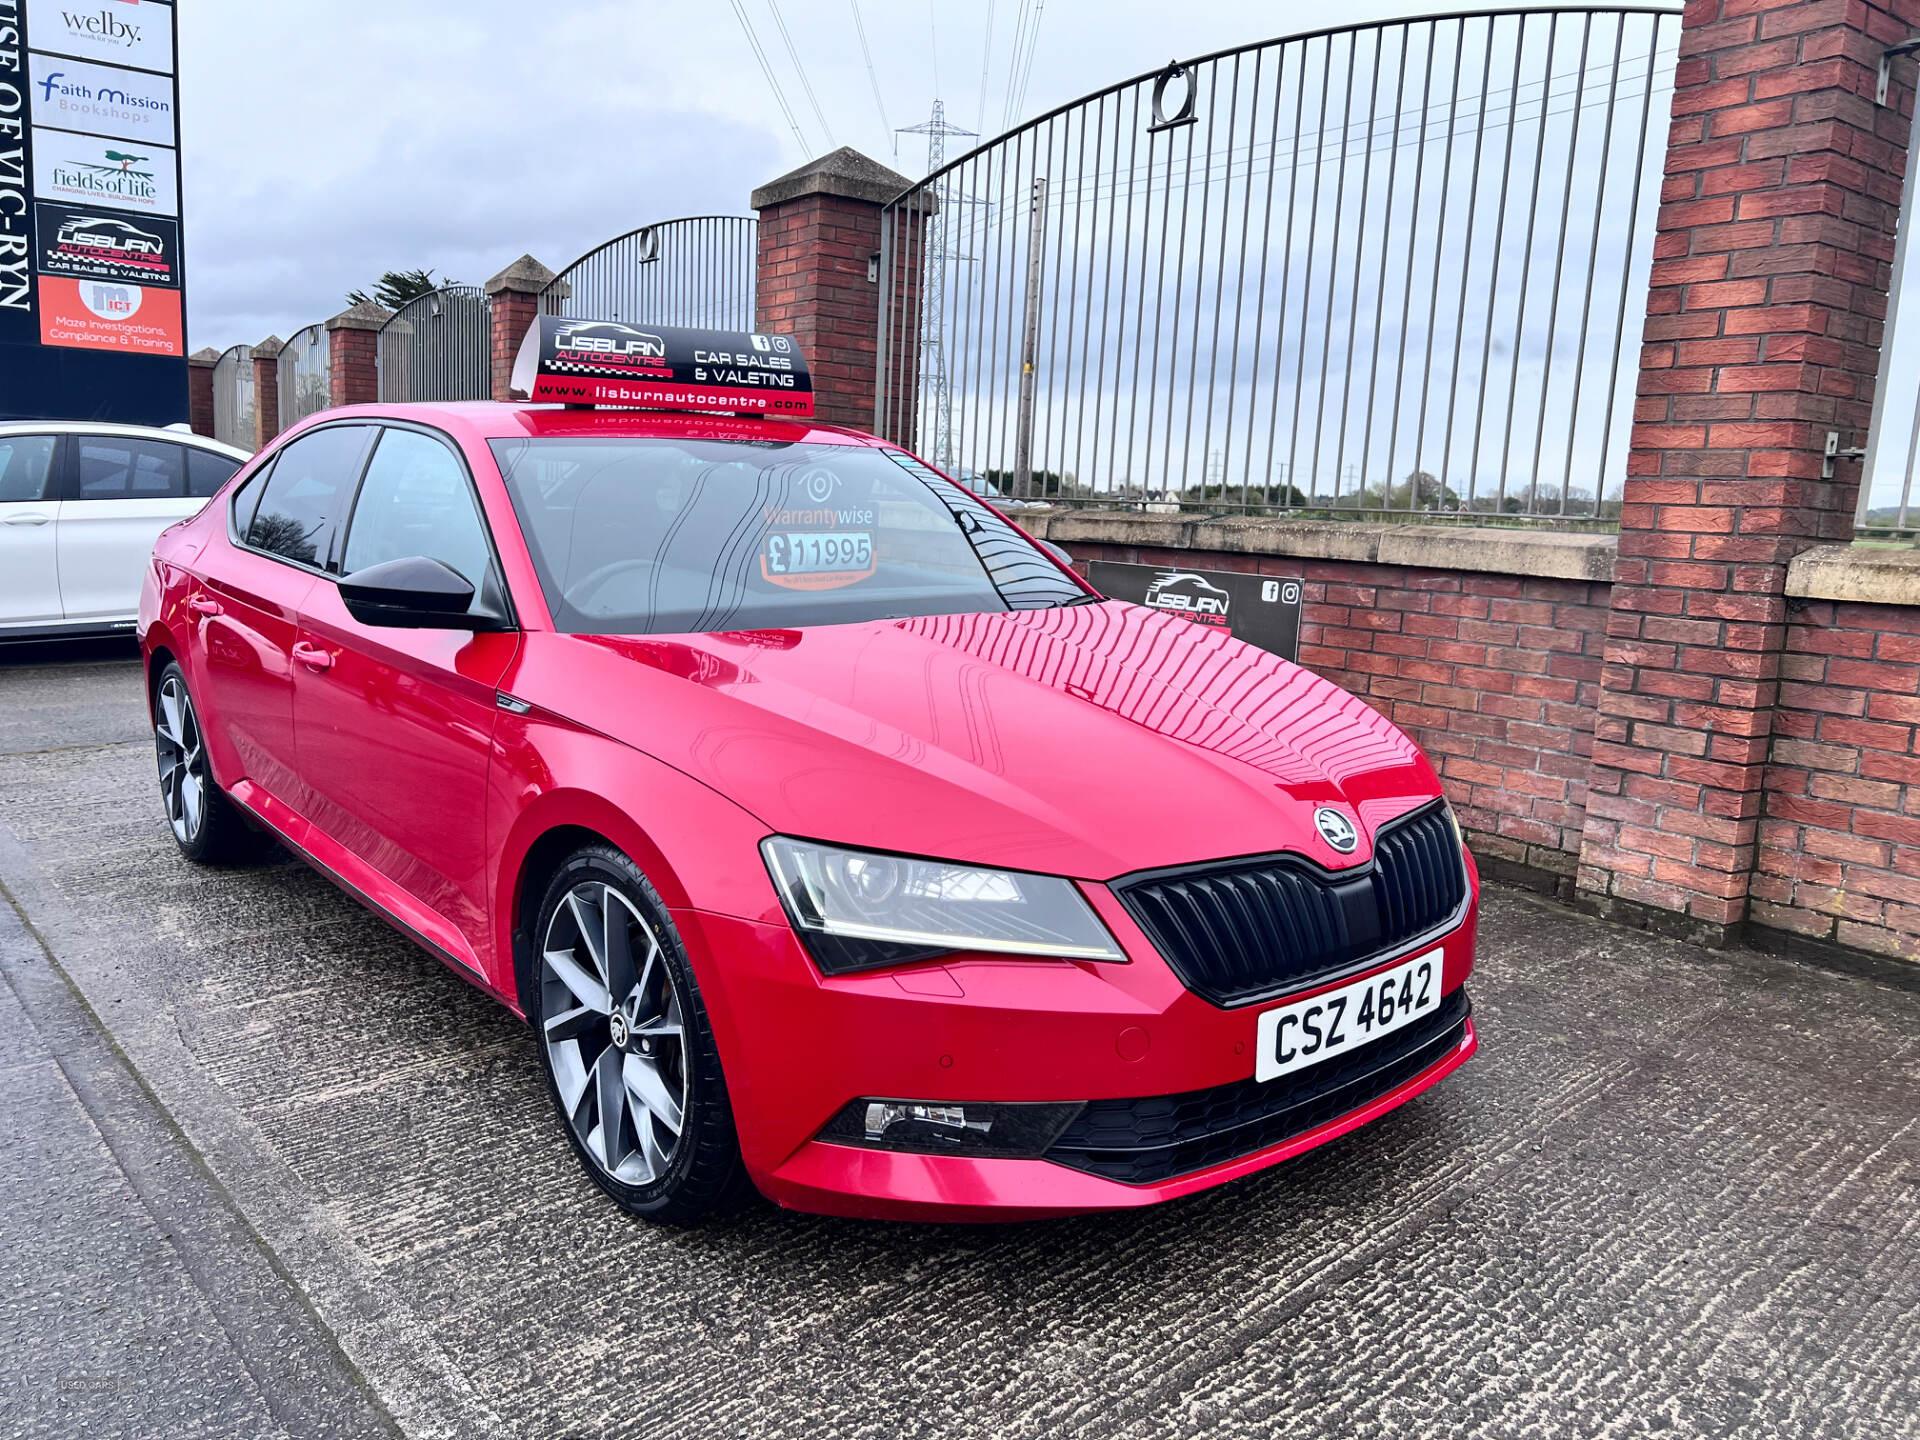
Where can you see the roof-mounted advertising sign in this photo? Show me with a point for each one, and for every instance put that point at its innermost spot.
(662, 367)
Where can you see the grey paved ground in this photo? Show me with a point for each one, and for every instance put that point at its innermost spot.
(1677, 1194)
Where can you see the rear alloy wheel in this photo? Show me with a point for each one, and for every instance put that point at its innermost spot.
(629, 1056)
(205, 823)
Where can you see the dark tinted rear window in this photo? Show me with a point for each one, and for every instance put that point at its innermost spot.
(637, 536)
(112, 467)
(207, 471)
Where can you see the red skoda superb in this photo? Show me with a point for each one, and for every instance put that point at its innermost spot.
(835, 839)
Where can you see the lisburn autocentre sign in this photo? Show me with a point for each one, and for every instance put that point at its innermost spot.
(92, 293)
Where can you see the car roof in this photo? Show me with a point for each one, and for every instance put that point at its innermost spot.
(105, 427)
(483, 420)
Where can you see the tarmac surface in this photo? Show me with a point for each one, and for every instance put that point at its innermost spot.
(269, 1169)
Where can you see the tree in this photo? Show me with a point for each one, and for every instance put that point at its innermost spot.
(396, 287)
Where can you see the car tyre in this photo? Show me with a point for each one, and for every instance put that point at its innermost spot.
(623, 1036)
(206, 824)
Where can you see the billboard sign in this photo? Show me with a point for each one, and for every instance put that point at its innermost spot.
(94, 244)
(1261, 609)
(110, 315)
(102, 99)
(92, 169)
(92, 302)
(138, 33)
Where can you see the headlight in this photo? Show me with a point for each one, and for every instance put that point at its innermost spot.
(857, 910)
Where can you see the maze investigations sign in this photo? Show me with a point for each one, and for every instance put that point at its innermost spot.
(92, 294)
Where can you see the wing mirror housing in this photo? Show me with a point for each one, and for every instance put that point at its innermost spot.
(412, 593)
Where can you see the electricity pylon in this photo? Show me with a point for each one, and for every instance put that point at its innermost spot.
(933, 287)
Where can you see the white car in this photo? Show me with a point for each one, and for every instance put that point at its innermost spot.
(80, 506)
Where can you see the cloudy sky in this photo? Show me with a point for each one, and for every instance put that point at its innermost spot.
(328, 140)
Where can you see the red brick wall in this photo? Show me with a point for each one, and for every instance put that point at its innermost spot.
(354, 360)
(813, 286)
(1770, 275)
(1839, 843)
(1495, 676)
(266, 399)
(200, 398)
(512, 314)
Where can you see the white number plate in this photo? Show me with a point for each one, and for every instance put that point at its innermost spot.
(1292, 1037)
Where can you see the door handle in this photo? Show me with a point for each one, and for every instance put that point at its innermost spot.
(312, 656)
(201, 605)
(26, 520)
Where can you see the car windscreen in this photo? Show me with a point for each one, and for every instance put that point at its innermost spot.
(676, 536)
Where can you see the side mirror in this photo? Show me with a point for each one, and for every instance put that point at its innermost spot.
(1059, 552)
(414, 592)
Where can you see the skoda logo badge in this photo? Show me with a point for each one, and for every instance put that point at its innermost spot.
(1336, 830)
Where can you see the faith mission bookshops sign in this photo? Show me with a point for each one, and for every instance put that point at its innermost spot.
(92, 297)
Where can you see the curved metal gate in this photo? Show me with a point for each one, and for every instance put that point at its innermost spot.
(438, 346)
(306, 375)
(233, 397)
(1379, 268)
(698, 270)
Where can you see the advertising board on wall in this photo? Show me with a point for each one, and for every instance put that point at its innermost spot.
(1259, 609)
(92, 303)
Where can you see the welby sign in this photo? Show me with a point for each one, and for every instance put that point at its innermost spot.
(116, 32)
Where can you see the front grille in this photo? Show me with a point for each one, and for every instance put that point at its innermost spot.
(1242, 930)
(1145, 1141)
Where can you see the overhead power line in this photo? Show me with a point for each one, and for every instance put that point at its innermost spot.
(801, 70)
(1033, 45)
(986, 55)
(1013, 60)
(874, 80)
(773, 81)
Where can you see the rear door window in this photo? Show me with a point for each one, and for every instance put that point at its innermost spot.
(114, 467)
(306, 493)
(26, 467)
(207, 471)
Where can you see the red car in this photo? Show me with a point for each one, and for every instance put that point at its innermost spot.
(834, 837)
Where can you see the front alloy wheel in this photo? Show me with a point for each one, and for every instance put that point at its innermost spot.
(612, 1027)
(629, 1056)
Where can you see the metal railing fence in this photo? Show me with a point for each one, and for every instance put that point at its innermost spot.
(1385, 268)
(1889, 507)
(693, 271)
(233, 397)
(306, 375)
(438, 346)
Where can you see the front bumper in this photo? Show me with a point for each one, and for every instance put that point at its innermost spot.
(797, 1048)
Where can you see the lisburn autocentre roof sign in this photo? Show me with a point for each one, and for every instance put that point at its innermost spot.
(92, 291)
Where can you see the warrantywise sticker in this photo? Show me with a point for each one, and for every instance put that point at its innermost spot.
(661, 367)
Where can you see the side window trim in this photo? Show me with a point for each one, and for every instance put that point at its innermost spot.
(63, 480)
(265, 476)
(345, 535)
(253, 487)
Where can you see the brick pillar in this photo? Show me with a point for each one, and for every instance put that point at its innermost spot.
(819, 226)
(353, 354)
(1770, 276)
(515, 300)
(200, 390)
(266, 390)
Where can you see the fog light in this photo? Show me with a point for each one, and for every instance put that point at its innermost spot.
(883, 1116)
(940, 1127)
